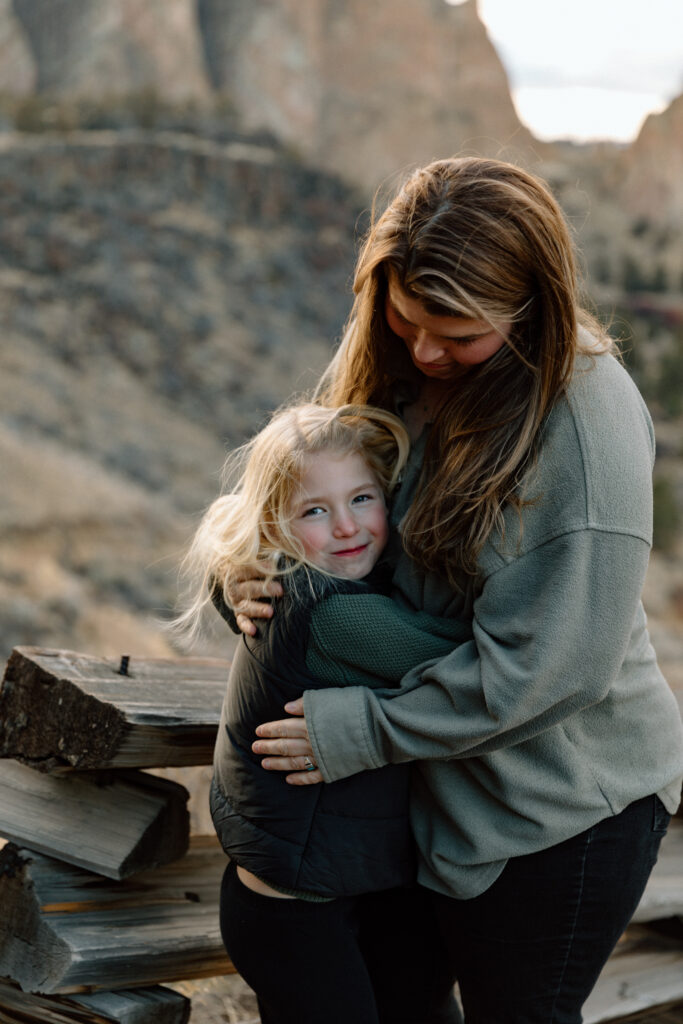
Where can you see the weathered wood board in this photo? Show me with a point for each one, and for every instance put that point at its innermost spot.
(66, 930)
(644, 972)
(60, 709)
(663, 896)
(154, 1005)
(112, 823)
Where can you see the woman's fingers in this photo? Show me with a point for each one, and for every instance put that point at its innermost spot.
(245, 625)
(273, 732)
(288, 748)
(303, 770)
(282, 749)
(295, 707)
(305, 778)
(253, 609)
(248, 598)
(255, 589)
(252, 585)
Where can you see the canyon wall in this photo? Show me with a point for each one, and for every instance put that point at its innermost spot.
(652, 168)
(365, 89)
(361, 90)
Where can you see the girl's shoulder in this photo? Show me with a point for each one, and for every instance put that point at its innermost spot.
(282, 641)
(306, 587)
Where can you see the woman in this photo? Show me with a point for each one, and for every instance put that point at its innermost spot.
(547, 747)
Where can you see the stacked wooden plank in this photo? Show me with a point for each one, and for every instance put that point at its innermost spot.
(101, 891)
(98, 888)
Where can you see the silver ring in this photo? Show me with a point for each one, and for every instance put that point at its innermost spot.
(308, 765)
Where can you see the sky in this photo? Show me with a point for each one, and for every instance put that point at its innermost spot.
(588, 69)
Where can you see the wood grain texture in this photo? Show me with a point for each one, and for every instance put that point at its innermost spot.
(663, 896)
(644, 972)
(67, 930)
(154, 1005)
(60, 709)
(112, 823)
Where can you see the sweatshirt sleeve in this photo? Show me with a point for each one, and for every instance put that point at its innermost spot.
(551, 630)
(371, 639)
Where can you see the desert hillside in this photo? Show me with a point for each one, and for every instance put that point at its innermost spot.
(159, 296)
(175, 261)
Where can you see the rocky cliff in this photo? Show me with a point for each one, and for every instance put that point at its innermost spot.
(113, 47)
(364, 89)
(358, 89)
(652, 168)
(18, 70)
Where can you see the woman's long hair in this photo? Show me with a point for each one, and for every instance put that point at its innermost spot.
(482, 239)
(249, 527)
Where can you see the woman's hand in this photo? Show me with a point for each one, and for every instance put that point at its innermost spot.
(289, 749)
(247, 594)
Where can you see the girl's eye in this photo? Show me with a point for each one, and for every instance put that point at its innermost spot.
(360, 498)
(317, 510)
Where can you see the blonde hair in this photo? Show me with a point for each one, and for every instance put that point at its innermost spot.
(251, 523)
(482, 239)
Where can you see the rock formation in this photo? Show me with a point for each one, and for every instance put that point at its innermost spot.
(653, 168)
(18, 72)
(113, 47)
(364, 89)
(358, 89)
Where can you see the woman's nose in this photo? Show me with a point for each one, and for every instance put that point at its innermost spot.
(427, 349)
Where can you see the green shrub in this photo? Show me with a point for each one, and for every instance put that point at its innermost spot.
(667, 515)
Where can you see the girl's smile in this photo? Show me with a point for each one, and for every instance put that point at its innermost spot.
(339, 514)
(438, 345)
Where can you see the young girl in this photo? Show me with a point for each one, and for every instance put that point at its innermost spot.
(311, 506)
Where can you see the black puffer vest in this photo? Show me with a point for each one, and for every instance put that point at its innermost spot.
(336, 839)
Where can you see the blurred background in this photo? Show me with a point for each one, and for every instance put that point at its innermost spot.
(182, 188)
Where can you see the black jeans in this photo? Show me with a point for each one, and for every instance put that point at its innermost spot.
(529, 950)
(375, 959)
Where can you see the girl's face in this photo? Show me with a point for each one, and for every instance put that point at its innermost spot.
(339, 514)
(440, 345)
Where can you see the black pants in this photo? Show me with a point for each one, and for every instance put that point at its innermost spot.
(530, 949)
(527, 951)
(375, 959)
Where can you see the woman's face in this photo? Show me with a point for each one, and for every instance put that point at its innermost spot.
(440, 345)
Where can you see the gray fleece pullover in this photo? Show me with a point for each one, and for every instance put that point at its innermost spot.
(553, 714)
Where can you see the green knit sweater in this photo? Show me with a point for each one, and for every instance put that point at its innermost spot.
(369, 639)
(551, 714)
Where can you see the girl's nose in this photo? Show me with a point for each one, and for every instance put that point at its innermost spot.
(345, 525)
(426, 348)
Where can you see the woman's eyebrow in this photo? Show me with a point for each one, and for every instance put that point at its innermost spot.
(454, 316)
